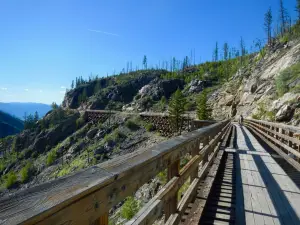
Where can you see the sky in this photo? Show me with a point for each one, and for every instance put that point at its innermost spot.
(45, 44)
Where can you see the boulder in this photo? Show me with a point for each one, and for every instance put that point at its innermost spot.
(285, 113)
(195, 86)
(91, 133)
(226, 100)
(100, 150)
(158, 88)
(109, 145)
(76, 148)
(288, 97)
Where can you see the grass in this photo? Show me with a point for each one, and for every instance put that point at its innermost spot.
(162, 176)
(149, 127)
(131, 124)
(77, 164)
(183, 188)
(130, 207)
(26, 172)
(286, 77)
(51, 157)
(11, 179)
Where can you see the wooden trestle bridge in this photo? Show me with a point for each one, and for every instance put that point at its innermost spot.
(240, 174)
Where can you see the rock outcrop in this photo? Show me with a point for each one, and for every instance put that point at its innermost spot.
(254, 87)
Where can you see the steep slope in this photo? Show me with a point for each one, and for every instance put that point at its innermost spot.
(9, 125)
(267, 88)
(18, 109)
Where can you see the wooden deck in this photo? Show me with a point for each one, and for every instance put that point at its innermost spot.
(265, 193)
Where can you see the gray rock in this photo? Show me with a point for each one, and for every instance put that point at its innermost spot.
(285, 113)
(91, 133)
(196, 86)
(76, 148)
(99, 150)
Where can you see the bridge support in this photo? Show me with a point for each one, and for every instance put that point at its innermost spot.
(103, 220)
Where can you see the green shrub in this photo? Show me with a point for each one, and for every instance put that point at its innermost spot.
(131, 124)
(10, 180)
(51, 157)
(284, 39)
(129, 208)
(149, 127)
(79, 122)
(162, 176)
(286, 77)
(26, 172)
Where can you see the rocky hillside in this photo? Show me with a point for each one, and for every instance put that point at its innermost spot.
(267, 88)
(9, 125)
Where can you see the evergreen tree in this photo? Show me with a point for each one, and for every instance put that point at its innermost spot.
(97, 87)
(202, 109)
(243, 50)
(176, 110)
(145, 62)
(76, 82)
(225, 49)
(283, 15)
(162, 103)
(84, 95)
(72, 85)
(298, 10)
(36, 116)
(185, 62)
(268, 24)
(216, 53)
(54, 105)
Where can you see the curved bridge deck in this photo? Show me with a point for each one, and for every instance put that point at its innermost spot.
(251, 187)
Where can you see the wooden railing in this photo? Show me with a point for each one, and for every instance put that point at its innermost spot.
(86, 197)
(284, 139)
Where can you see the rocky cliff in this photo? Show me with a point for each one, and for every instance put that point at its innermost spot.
(254, 91)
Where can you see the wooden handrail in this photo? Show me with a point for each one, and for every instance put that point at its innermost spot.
(282, 138)
(87, 196)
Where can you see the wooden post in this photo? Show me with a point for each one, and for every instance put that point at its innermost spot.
(194, 174)
(103, 220)
(170, 206)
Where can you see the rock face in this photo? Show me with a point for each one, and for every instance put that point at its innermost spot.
(285, 113)
(54, 135)
(111, 90)
(195, 86)
(158, 88)
(254, 85)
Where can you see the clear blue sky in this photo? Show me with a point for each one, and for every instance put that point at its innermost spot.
(45, 44)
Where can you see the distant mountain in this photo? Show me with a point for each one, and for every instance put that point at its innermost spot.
(18, 109)
(9, 125)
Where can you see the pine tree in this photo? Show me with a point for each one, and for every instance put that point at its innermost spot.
(97, 87)
(176, 110)
(298, 10)
(283, 15)
(145, 62)
(162, 103)
(72, 85)
(243, 50)
(36, 116)
(268, 24)
(216, 53)
(225, 49)
(84, 95)
(202, 109)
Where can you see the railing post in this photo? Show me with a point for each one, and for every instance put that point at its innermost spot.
(102, 220)
(170, 206)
